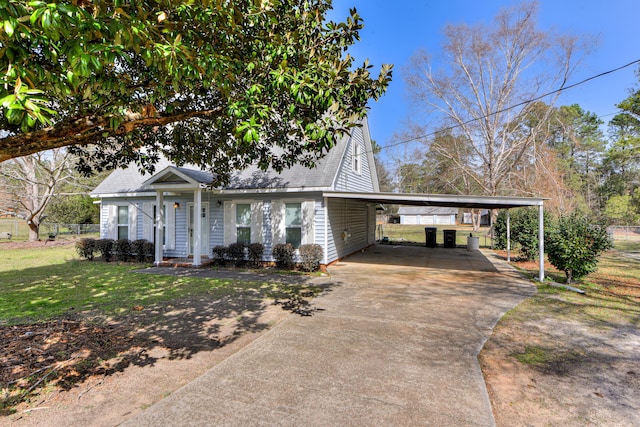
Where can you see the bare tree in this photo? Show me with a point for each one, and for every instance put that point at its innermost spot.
(482, 92)
(28, 184)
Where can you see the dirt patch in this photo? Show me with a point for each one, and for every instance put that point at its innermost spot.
(17, 244)
(98, 372)
(565, 359)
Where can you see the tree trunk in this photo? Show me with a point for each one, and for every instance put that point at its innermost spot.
(34, 230)
(476, 219)
(569, 274)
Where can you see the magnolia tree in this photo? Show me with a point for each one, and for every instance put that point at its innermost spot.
(215, 83)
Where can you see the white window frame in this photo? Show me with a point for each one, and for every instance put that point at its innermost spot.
(278, 212)
(113, 222)
(243, 226)
(288, 226)
(230, 220)
(121, 225)
(356, 157)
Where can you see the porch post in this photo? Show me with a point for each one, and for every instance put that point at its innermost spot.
(541, 240)
(159, 226)
(326, 231)
(508, 235)
(197, 228)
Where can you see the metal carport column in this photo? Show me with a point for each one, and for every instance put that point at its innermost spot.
(541, 241)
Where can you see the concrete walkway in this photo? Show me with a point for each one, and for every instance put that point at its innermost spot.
(396, 343)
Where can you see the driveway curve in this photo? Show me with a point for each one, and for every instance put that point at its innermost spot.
(395, 342)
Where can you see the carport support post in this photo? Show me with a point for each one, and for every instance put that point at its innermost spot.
(508, 235)
(197, 228)
(159, 226)
(541, 241)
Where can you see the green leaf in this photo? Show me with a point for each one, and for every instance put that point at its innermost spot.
(9, 27)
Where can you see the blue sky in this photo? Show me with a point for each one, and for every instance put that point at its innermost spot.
(394, 30)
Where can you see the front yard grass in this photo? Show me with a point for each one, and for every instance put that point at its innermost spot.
(42, 283)
(569, 357)
(63, 320)
(416, 233)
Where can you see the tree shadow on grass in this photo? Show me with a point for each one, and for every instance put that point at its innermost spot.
(66, 351)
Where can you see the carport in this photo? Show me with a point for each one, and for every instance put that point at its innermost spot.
(457, 201)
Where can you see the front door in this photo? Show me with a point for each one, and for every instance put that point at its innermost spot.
(204, 227)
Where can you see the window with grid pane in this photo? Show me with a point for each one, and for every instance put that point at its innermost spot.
(123, 222)
(293, 224)
(356, 163)
(243, 223)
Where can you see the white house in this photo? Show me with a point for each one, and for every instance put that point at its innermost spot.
(297, 206)
(427, 215)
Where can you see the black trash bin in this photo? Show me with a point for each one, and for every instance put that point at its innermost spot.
(430, 234)
(449, 238)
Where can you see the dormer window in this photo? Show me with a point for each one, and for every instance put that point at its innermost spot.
(356, 158)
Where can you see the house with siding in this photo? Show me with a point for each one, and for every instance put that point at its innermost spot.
(427, 215)
(178, 207)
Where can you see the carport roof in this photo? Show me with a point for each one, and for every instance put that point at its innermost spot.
(442, 200)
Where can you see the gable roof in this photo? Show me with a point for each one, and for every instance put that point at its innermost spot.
(426, 210)
(321, 177)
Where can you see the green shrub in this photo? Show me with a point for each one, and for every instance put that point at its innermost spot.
(86, 248)
(310, 257)
(122, 249)
(574, 244)
(235, 251)
(255, 252)
(524, 231)
(219, 255)
(137, 250)
(105, 248)
(283, 254)
(149, 250)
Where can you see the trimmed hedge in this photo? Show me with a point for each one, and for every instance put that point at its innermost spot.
(283, 254)
(310, 257)
(105, 248)
(86, 248)
(137, 250)
(255, 252)
(235, 252)
(122, 249)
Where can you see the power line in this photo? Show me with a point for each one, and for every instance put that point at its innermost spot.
(561, 89)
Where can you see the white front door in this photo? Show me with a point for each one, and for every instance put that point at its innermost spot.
(204, 227)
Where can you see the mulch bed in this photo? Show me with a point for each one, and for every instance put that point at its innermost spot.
(60, 352)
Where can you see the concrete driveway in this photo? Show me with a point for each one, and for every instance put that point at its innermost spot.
(396, 343)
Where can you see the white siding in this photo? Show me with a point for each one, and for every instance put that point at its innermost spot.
(216, 216)
(347, 179)
(351, 227)
(408, 219)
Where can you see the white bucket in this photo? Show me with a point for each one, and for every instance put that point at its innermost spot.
(473, 243)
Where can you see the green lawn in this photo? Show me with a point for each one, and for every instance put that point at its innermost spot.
(46, 282)
(416, 233)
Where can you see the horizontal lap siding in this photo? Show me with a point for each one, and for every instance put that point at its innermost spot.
(352, 216)
(318, 226)
(104, 219)
(267, 230)
(216, 218)
(348, 180)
